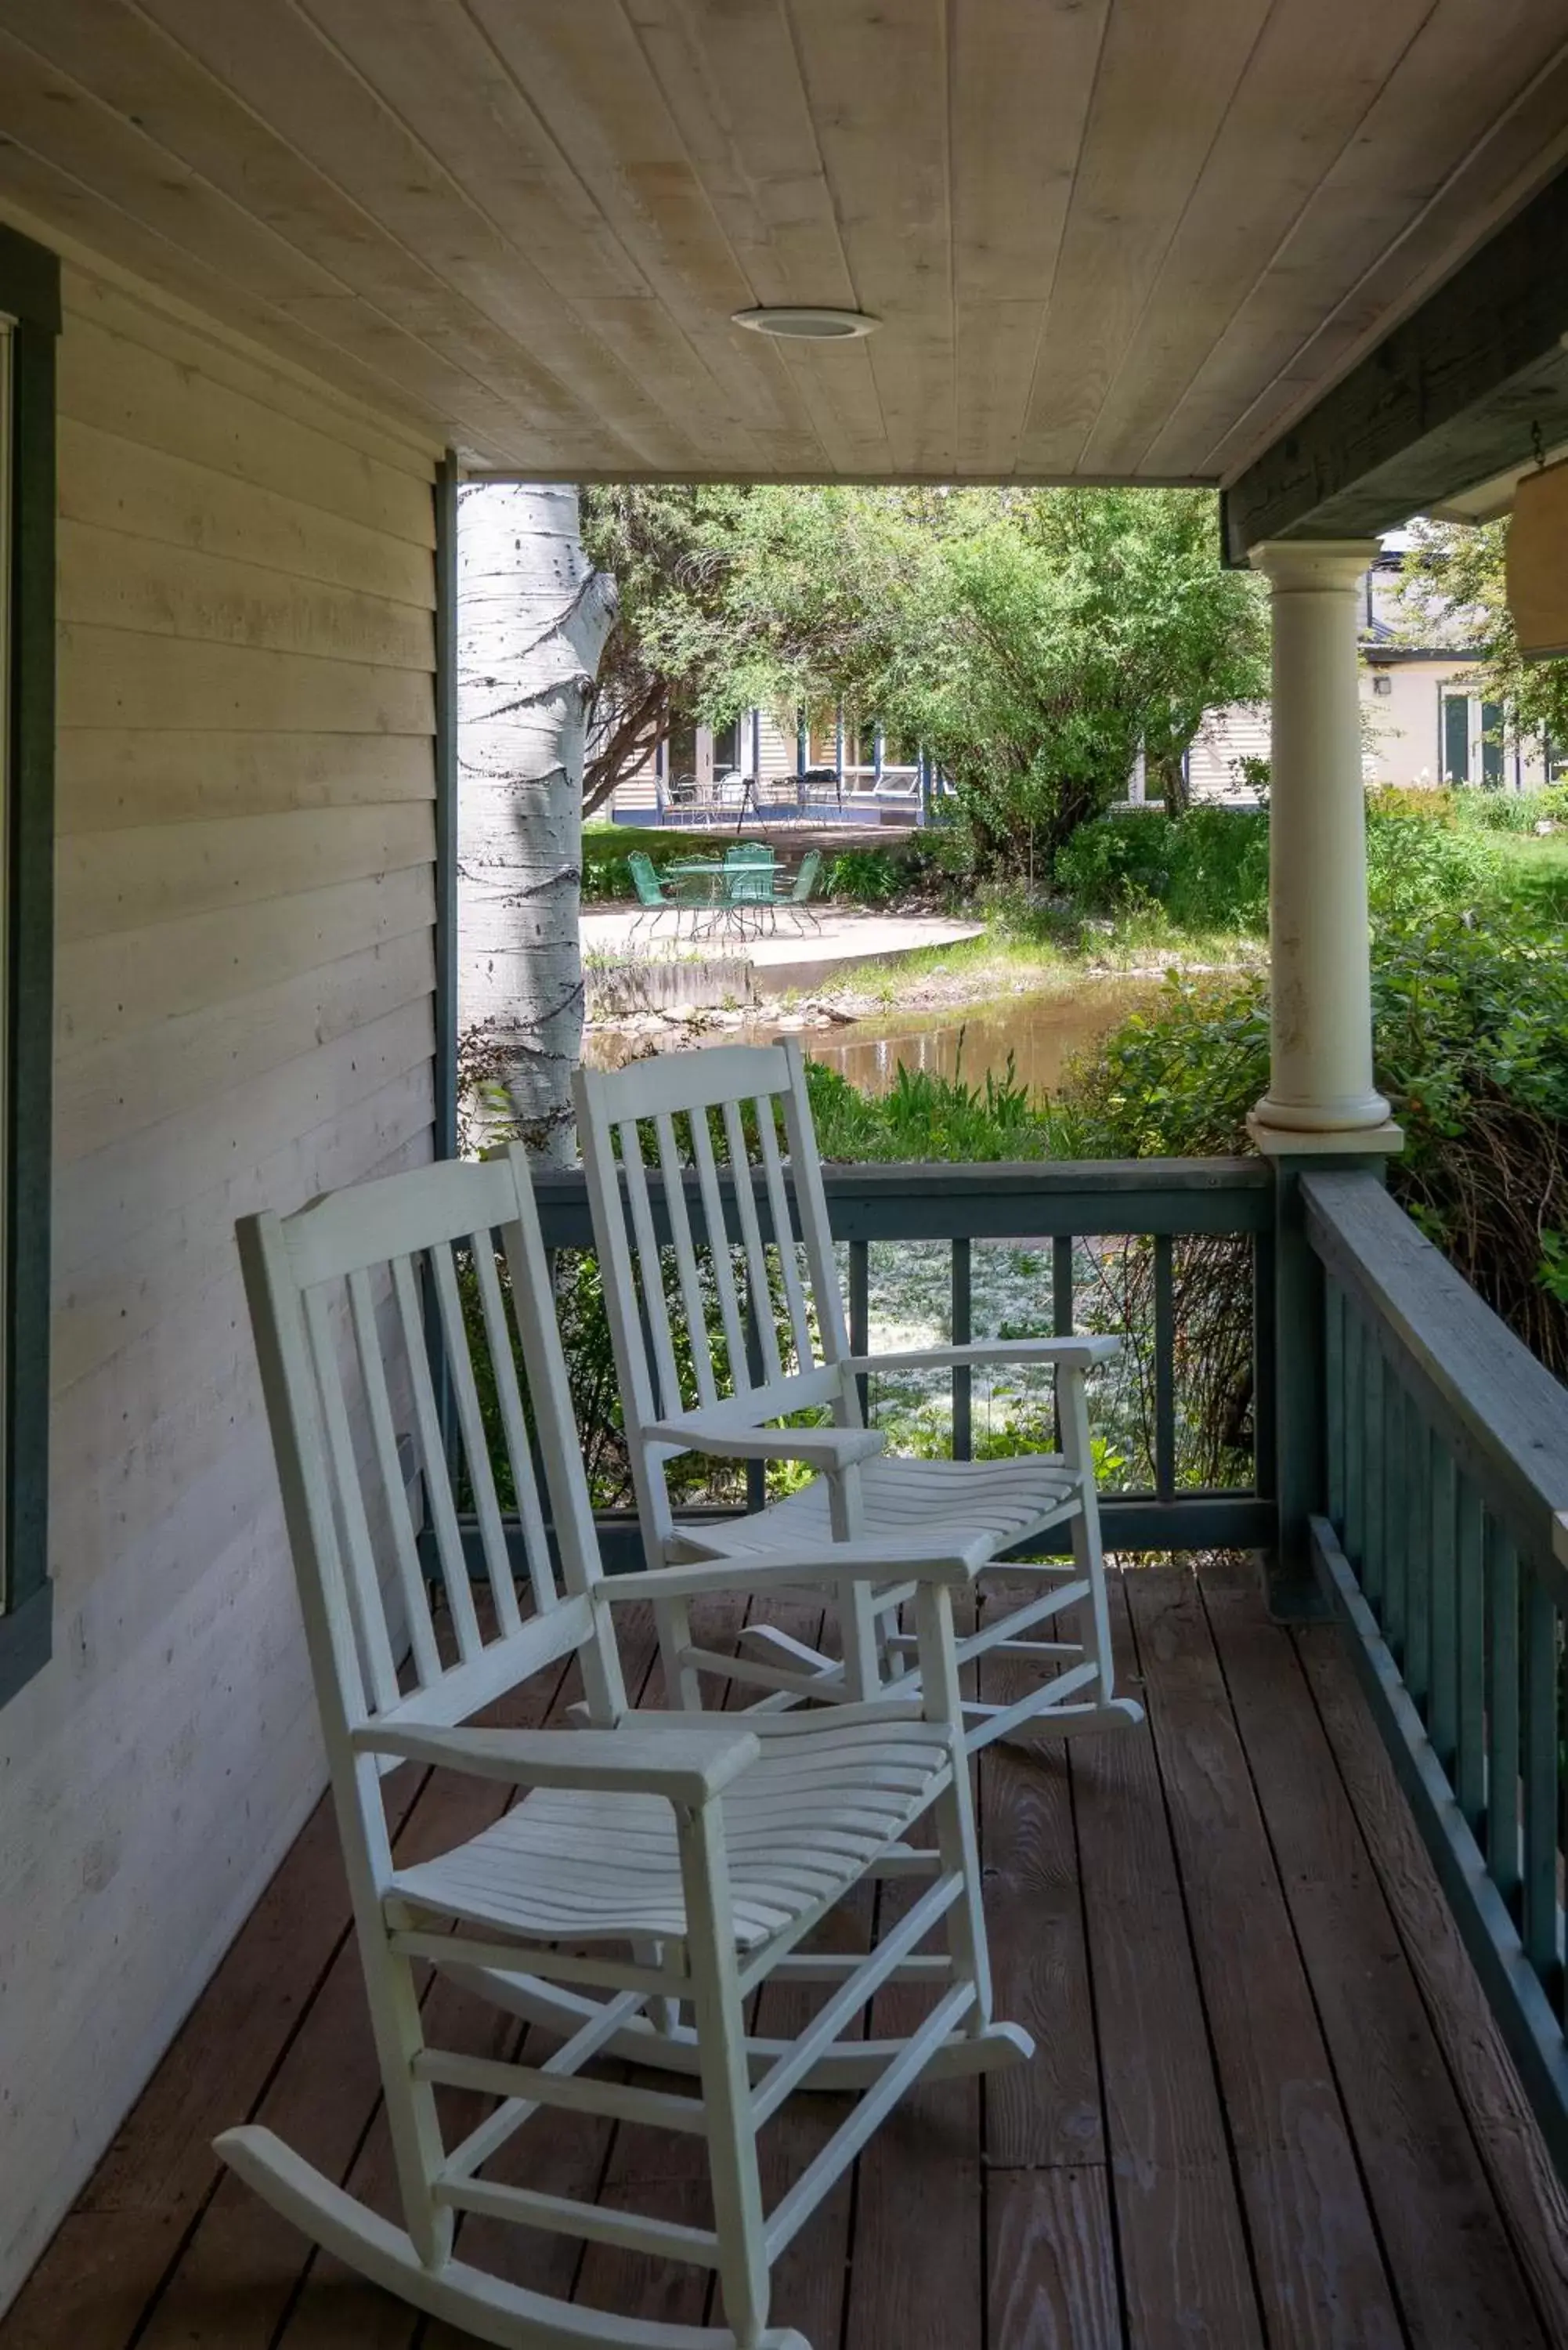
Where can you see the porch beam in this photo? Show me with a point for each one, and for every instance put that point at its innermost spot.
(1452, 397)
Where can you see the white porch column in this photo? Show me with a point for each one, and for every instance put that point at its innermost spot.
(1319, 1076)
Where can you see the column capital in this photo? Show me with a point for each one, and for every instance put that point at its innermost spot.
(1306, 563)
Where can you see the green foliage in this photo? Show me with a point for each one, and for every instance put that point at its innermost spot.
(1208, 869)
(1030, 638)
(866, 876)
(924, 1116)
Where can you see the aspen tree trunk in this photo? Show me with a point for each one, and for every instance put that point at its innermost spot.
(533, 617)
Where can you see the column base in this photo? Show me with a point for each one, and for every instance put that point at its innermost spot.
(1384, 1137)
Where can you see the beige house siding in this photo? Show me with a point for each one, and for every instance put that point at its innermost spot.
(244, 1009)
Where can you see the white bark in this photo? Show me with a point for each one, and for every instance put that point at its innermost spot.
(531, 622)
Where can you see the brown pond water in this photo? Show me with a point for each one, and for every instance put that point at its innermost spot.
(1041, 1033)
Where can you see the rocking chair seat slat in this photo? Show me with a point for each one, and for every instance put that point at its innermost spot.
(800, 1825)
(1006, 1500)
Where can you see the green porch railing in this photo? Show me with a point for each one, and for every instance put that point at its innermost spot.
(1443, 1548)
(1060, 1204)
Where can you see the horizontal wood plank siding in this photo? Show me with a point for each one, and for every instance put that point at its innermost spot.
(245, 1016)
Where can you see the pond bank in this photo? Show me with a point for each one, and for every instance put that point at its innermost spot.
(963, 1009)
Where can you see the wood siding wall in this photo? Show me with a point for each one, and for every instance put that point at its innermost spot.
(245, 1016)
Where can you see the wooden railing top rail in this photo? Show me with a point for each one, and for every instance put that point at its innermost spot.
(999, 1200)
(1503, 1414)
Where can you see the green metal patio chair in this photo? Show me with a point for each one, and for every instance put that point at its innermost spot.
(794, 898)
(749, 868)
(650, 895)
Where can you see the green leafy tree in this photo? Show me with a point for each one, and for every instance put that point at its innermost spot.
(1030, 639)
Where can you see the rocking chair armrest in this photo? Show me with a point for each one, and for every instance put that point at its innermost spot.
(686, 1765)
(820, 1448)
(1067, 1354)
(937, 1559)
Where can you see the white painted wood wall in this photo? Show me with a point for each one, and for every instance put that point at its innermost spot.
(244, 1015)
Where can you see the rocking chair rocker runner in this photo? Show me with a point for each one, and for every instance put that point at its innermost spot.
(668, 1865)
(784, 1352)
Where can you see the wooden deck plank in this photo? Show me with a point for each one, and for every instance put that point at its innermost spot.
(1186, 2270)
(103, 2267)
(1453, 2269)
(1047, 2112)
(1051, 2274)
(1529, 2194)
(1320, 2273)
(916, 2273)
(1247, 1868)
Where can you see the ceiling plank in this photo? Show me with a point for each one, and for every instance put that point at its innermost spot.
(582, 68)
(1167, 76)
(1021, 83)
(1453, 395)
(341, 164)
(1442, 118)
(1266, 163)
(875, 72)
(125, 112)
(730, 78)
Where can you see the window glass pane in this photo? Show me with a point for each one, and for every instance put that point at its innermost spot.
(1492, 744)
(1455, 738)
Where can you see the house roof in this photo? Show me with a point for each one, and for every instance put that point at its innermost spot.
(1107, 239)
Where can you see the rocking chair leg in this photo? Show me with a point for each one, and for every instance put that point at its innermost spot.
(726, 2080)
(956, 1839)
(1088, 1556)
(411, 2117)
(682, 1691)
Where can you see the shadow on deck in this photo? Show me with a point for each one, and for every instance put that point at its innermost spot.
(1270, 2107)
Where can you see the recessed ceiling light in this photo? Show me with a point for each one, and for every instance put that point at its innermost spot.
(807, 325)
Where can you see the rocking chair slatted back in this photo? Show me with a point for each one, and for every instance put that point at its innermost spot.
(381, 1311)
(718, 1323)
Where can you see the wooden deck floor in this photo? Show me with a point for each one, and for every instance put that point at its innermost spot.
(1268, 2108)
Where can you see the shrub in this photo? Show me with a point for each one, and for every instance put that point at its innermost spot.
(865, 876)
(1500, 811)
(1209, 869)
(1414, 867)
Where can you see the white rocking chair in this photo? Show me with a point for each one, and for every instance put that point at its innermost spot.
(782, 1351)
(657, 1869)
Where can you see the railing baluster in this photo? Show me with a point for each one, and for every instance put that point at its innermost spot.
(1371, 1548)
(1062, 1286)
(1061, 1311)
(756, 1470)
(1396, 1512)
(1469, 1778)
(1334, 1397)
(1443, 1619)
(860, 1314)
(1164, 1368)
(1538, 1914)
(1417, 1556)
(1503, 1712)
(963, 1331)
(1355, 1437)
(1265, 1474)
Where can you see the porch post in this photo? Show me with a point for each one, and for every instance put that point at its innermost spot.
(1322, 1107)
(1320, 1069)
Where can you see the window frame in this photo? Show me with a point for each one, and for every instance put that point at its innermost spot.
(30, 303)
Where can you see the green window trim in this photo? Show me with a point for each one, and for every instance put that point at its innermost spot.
(30, 301)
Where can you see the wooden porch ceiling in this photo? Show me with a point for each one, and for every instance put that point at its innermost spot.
(1270, 2107)
(1124, 239)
